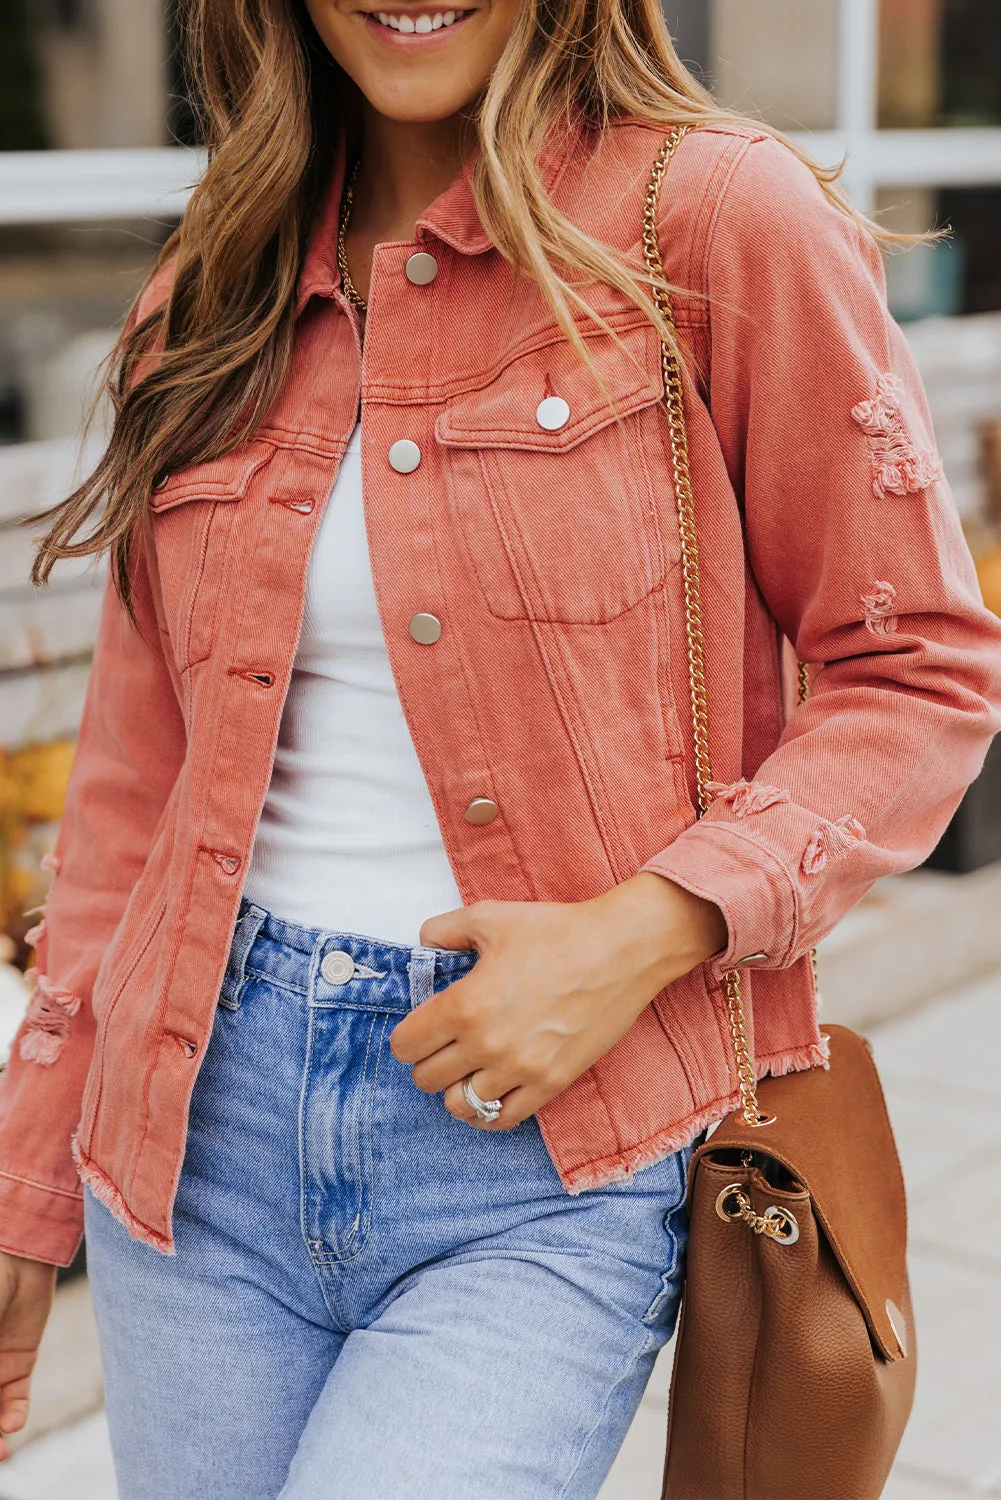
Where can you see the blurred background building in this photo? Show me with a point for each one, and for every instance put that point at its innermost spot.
(96, 158)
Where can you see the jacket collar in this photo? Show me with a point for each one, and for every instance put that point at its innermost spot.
(452, 217)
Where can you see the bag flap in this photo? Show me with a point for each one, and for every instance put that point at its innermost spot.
(626, 374)
(832, 1133)
(224, 478)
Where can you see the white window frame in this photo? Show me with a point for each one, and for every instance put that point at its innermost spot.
(86, 186)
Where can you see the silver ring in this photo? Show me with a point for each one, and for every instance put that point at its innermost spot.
(486, 1109)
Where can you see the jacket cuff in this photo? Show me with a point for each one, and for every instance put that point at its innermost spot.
(39, 1223)
(750, 885)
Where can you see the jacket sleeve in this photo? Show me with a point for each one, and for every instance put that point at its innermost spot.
(855, 543)
(128, 755)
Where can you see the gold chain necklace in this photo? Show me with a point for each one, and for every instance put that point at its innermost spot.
(347, 203)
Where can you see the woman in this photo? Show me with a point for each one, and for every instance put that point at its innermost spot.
(385, 948)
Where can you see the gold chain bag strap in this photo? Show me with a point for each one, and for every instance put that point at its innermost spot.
(795, 1363)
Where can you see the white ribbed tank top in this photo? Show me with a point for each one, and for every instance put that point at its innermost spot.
(348, 839)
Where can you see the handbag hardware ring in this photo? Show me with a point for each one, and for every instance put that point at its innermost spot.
(778, 1224)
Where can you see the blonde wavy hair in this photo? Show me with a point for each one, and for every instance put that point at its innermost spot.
(271, 103)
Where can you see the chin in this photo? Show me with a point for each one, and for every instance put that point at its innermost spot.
(417, 107)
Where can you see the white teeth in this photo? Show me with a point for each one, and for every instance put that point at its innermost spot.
(420, 26)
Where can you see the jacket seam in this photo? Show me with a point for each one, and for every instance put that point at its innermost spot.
(679, 1046)
(721, 197)
(42, 1187)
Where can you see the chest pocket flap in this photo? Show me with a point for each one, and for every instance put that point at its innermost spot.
(192, 534)
(223, 478)
(623, 377)
(556, 479)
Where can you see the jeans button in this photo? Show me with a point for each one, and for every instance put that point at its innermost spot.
(337, 967)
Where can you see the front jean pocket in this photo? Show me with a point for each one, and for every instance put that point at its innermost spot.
(344, 1054)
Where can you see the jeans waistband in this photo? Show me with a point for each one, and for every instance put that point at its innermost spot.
(338, 968)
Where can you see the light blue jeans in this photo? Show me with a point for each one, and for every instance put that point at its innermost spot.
(371, 1300)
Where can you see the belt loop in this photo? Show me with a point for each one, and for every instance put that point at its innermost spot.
(420, 967)
(248, 925)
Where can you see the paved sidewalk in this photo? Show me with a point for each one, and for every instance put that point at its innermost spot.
(942, 1071)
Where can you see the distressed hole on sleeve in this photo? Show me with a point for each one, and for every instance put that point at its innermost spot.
(47, 1022)
(748, 797)
(879, 605)
(830, 842)
(899, 466)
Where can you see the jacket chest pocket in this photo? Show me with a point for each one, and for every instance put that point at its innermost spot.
(557, 481)
(193, 519)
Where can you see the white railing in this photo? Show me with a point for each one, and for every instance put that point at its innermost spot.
(39, 187)
(45, 187)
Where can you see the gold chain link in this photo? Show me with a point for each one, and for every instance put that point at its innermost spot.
(674, 396)
(774, 1225)
(804, 682)
(804, 693)
(347, 205)
(674, 400)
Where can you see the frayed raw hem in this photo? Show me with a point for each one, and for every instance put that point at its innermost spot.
(105, 1192)
(817, 1055)
(648, 1153)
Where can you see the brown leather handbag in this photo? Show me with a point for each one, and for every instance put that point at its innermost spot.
(795, 1362)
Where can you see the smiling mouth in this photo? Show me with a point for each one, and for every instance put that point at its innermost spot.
(416, 23)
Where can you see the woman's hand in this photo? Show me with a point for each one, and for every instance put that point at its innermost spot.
(555, 987)
(27, 1288)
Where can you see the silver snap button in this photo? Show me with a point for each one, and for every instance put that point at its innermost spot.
(552, 413)
(404, 456)
(421, 268)
(425, 629)
(750, 958)
(337, 967)
(481, 810)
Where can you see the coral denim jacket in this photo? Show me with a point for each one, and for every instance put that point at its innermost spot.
(558, 687)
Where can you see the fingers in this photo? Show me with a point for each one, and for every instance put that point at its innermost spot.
(450, 929)
(13, 1410)
(447, 1066)
(26, 1292)
(431, 1026)
(474, 926)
